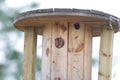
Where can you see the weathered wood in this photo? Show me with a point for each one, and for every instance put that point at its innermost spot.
(59, 51)
(88, 53)
(76, 52)
(46, 53)
(43, 16)
(105, 56)
(30, 53)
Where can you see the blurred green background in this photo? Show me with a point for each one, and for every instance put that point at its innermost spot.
(11, 57)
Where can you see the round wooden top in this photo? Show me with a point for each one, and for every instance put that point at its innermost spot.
(92, 18)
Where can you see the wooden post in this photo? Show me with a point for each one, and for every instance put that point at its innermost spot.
(79, 52)
(59, 51)
(46, 53)
(105, 56)
(30, 53)
(76, 52)
(88, 53)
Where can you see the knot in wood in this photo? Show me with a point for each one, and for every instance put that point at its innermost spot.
(59, 42)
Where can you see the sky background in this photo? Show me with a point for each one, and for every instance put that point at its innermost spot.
(108, 6)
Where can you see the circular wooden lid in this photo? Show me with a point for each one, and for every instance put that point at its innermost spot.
(92, 18)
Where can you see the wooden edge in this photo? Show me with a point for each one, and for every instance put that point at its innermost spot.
(67, 14)
(71, 11)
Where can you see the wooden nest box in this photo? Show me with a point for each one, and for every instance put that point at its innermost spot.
(67, 42)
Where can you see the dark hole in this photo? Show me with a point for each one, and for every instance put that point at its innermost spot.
(77, 26)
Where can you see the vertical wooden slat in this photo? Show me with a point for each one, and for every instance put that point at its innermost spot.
(46, 53)
(105, 56)
(88, 53)
(30, 53)
(76, 52)
(59, 55)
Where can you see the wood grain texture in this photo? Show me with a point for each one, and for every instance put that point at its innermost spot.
(46, 53)
(106, 50)
(88, 53)
(30, 53)
(43, 16)
(76, 52)
(59, 55)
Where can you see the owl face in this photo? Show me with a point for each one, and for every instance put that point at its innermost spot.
(59, 42)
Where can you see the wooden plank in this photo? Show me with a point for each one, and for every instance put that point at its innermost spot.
(76, 52)
(30, 53)
(59, 53)
(46, 53)
(105, 56)
(88, 53)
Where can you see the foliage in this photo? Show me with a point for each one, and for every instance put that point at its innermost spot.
(8, 39)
